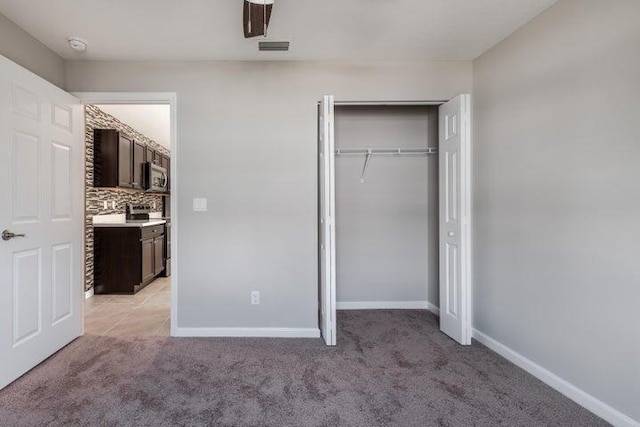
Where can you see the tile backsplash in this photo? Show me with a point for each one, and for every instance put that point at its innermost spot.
(95, 197)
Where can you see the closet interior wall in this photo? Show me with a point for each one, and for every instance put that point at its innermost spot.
(387, 227)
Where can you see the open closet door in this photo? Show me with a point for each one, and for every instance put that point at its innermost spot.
(455, 199)
(327, 213)
(42, 215)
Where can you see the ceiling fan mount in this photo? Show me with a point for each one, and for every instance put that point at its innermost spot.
(255, 17)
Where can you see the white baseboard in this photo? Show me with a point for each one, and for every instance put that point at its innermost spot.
(579, 396)
(433, 308)
(249, 332)
(388, 305)
(88, 294)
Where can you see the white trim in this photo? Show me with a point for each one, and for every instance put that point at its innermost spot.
(386, 103)
(389, 305)
(433, 308)
(574, 393)
(126, 97)
(382, 305)
(88, 294)
(170, 98)
(249, 332)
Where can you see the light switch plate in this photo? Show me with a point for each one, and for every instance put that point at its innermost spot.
(199, 205)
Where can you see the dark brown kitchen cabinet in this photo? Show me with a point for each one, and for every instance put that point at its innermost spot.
(152, 257)
(153, 156)
(158, 252)
(148, 259)
(124, 164)
(149, 154)
(117, 160)
(138, 166)
(127, 258)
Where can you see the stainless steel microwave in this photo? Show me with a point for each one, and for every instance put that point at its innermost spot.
(156, 178)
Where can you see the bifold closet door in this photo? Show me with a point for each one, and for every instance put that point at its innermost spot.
(455, 199)
(327, 214)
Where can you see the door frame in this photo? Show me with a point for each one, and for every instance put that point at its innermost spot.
(436, 103)
(154, 98)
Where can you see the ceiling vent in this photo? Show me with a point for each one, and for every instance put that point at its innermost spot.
(273, 46)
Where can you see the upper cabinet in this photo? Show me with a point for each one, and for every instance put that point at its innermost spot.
(137, 173)
(118, 160)
(103, 163)
(153, 156)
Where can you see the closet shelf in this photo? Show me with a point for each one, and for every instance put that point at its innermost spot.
(368, 152)
(387, 151)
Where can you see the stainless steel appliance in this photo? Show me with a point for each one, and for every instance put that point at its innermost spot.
(156, 178)
(138, 212)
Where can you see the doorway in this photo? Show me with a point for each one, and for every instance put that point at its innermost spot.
(394, 193)
(132, 294)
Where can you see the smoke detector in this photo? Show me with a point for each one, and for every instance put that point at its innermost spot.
(77, 44)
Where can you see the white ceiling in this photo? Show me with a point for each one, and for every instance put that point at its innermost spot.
(390, 30)
(153, 121)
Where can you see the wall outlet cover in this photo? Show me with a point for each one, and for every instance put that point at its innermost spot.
(255, 297)
(199, 205)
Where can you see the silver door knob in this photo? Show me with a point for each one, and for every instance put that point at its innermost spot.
(8, 235)
(451, 234)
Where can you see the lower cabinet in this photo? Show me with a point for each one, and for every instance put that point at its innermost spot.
(126, 259)
(148, 258)
(158, 253)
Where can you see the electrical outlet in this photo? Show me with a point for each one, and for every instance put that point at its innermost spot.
(255, 297)
(113, 204)
(105, 205)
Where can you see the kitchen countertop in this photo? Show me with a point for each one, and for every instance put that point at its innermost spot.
(138, 224)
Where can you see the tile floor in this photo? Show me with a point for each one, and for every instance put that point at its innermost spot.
(145, 313)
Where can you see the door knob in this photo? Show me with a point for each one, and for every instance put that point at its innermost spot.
(451, 234)
(8, 235)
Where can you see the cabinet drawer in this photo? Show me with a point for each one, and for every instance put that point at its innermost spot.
(156, 230)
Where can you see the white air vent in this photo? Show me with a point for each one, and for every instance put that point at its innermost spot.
(273, 46)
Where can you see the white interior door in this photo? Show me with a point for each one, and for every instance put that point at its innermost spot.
(41, 196)
(327, 233)
(455, 200)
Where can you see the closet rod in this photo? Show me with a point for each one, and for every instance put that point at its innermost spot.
(388, 151)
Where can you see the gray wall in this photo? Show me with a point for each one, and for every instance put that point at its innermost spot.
(557, 196)
(387, 227)
(20, 47)
(247, 142)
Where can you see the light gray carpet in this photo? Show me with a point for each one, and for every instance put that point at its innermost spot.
(391, 368)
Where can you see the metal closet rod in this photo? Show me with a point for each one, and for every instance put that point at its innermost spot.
(388, 151)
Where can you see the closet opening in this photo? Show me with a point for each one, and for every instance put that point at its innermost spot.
(386, 206)
(382, 214)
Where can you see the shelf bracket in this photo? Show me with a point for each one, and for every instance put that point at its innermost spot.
(366, 165)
